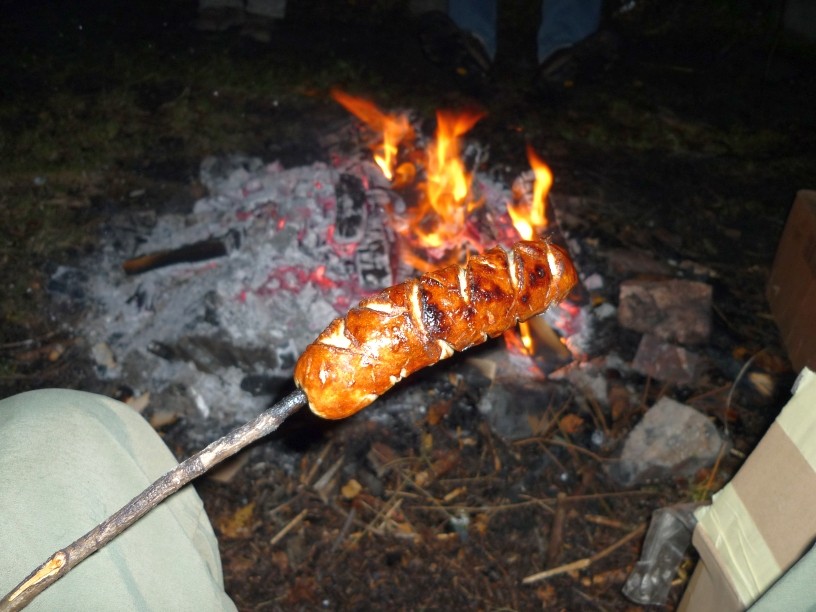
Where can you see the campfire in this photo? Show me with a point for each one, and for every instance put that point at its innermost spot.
(443, 224)
(207, 312)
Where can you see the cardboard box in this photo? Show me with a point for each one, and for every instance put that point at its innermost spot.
(791, 288)
(762, 522)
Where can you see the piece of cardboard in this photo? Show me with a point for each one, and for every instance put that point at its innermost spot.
(791, 287)
(801, 340)
(762, 522)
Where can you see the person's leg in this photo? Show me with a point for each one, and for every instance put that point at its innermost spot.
(564, 23)
(67, 461)
(219, 15)
(479, 17)
(262, 17)
(462, 39)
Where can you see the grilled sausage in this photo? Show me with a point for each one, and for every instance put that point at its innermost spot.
(414, 324)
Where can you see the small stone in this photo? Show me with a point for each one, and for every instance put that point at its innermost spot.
(594, 282)
(56, 352)
(103, 356)
(666, 362)
(672, 440)
(604, 311)
(629, 262)
(673, 310)
(590, 378)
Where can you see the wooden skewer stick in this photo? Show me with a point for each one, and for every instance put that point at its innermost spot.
(65, 559)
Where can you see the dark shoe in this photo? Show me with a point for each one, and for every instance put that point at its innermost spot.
(560, 69)
(565, 66)
(446, 45)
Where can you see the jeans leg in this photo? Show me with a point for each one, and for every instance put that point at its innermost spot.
(566, 22)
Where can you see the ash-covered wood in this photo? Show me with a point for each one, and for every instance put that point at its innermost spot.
(188, 253)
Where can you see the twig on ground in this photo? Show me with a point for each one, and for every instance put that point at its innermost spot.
(529, 501)
(287, 528)
(737, 380)
(344, 531)
(645, 395)
(383, 515)
(307, 479)
(579, 449)
(709, 484)
(557, 531)
(586, 561)
(545, 433)
(27, 342)
(64, 560)
(604, 521)
(45, 374)
(706, 394)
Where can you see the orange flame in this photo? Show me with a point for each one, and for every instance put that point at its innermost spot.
(530, 217)
(394, 129)
(440, 218)
(437, 222)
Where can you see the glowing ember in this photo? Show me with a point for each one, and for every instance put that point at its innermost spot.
(514, 341)
(526, 337)
(520, 340)
(393, 128)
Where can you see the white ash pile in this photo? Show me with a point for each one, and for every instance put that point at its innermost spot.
(218, 303)
(221, 301)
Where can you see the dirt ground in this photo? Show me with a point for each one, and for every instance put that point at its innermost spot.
(691, 122)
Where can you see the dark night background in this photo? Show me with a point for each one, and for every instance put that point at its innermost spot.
(693, 121)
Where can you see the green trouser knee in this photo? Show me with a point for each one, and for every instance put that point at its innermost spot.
(68, 460)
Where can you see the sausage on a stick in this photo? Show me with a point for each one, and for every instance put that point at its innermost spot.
(409, 326)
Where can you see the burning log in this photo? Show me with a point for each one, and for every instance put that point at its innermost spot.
(351, 210)
(494, 292)
(188, 253)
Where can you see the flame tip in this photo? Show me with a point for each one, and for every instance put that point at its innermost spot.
(440, 218)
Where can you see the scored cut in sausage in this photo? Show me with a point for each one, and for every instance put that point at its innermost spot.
(409, 326)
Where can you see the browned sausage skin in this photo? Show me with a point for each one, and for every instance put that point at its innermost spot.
(409, 326)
